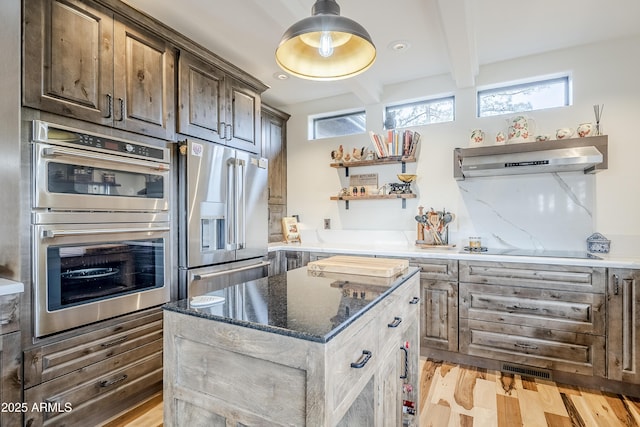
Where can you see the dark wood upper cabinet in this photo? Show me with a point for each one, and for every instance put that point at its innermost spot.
(214, 106)
(85, 62)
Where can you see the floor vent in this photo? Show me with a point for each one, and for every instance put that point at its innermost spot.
(529, 372)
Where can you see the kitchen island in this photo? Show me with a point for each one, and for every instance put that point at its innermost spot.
(301, 348)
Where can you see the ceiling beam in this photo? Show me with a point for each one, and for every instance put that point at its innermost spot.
(457, 23)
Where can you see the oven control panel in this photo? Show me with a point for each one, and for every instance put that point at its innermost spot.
(45, 132)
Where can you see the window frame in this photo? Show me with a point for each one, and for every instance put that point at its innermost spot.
(335, 115)
(566, 78)
(423, 101)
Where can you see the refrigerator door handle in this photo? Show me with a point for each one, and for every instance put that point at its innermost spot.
(231, 205)
(225, 272)
(241, 225)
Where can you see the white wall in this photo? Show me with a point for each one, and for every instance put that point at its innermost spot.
(546, 211)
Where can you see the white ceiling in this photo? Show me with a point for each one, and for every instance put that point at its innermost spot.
(451, 37)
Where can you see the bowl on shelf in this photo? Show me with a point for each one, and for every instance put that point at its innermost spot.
(407, 177)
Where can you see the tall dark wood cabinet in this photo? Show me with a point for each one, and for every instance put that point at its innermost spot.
(623, 316)
(215, 106)
(84, 61)
(274, 148)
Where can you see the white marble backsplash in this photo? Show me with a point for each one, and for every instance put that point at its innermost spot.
(542, 212)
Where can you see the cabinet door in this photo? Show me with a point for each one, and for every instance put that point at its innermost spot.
(275, 150)
(276, 213)
(200, 99)
(243, 117)
(10, 374)
(144, 83)
(439, 315)
(68, 59)
(623, 314)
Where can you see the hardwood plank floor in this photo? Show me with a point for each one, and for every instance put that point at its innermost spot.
(454, 395)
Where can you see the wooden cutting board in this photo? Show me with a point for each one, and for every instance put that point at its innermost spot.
(366, 266)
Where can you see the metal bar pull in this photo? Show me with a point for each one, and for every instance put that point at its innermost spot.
(396, 322)
(366, 355)
(414, 300)
(52, 234)
(235, 270)
(62, 151)
(109, 383)
(406, 362)
(109, 106)
(114, 342)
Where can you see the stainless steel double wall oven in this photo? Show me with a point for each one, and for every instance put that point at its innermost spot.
(100, 227)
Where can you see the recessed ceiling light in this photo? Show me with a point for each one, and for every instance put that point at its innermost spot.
(280, 76)
(399, 45)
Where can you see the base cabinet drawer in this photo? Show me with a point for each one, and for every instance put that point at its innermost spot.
(549, 309)
(89, 397)
(541, 347)
(62, 357)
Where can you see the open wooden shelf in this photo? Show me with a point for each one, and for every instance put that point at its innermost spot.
(391, 160)
(376, 197)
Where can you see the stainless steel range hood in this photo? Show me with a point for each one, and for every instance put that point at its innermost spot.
(578, 154)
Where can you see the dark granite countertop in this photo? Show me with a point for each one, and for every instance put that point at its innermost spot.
(298, 303)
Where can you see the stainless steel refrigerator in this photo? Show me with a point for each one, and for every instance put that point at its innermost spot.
(223, 231)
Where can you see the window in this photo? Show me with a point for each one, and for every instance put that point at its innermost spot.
(339, 125)
(524, 97)
(419, 113)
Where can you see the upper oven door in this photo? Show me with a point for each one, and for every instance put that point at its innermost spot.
(82, 180)
(75, 170)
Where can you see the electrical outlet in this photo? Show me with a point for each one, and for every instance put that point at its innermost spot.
(327, 223)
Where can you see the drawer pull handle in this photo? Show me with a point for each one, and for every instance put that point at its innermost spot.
(518, 307)
(106, 383)
(114, 342)
(366, 355)
(396, 322)
(616, 286)
(414, 300)
(526, 346)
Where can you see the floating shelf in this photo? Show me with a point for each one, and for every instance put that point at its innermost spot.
(381, 161)
(404, 198)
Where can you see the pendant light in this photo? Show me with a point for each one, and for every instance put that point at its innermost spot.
(325, 46)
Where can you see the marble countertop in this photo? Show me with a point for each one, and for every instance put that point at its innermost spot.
(297, 303)
(10, 287)
(412, 251)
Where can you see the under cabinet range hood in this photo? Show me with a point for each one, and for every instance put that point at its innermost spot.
(578, 154)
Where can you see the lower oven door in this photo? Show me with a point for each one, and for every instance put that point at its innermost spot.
(84, 273)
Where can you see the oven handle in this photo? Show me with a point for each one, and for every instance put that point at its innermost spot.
(54, 151)
(51, 234)
(235, 270)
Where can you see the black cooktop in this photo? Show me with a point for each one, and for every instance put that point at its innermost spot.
(533, 253)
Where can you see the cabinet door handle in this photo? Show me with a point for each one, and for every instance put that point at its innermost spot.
(109, 106)
(230, 137)
(366, 355)
(406, 363)
(396, 322)
(121, 101)
(616, 284)
(109, 383)
(414, 300)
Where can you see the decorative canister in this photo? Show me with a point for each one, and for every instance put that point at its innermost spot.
(477, 137)
(598, 243)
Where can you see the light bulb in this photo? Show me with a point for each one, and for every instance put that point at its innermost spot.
(326, 44)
